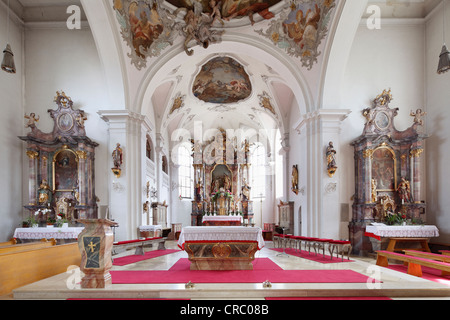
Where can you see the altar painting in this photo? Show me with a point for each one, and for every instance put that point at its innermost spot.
(65, 169)
(383, 169)
(222, 80)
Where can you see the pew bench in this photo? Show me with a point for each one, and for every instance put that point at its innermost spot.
(25, 267)
(138, 244)
(27, 246)
(431, 256)
(8, 243)
(445, 252)
(414, 263)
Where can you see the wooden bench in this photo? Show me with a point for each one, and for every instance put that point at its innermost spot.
(8, 243)
(392, 245)
(445, 252)
(414, 263)
(25, 267)
(431, 256)
(138, 244)
(27, 246)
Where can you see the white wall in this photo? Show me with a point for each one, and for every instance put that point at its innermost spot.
(11, 106)
(437, 120)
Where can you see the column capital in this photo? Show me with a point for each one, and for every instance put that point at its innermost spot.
(333, 118)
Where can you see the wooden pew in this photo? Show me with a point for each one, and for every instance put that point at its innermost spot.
(432, 256)
(8, 243)
(414, 263)
(25, 267)
(28, 246)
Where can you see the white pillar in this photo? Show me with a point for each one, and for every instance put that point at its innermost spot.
(322, 192)
(126, 193)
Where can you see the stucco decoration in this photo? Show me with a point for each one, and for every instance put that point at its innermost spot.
(300, 29)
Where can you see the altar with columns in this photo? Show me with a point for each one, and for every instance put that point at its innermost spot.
(222, 193)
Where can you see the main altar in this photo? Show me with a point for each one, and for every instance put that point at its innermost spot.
(221, 175)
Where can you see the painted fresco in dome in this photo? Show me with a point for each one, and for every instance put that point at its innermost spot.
(222, 80)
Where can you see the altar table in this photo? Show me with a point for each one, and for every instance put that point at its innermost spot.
(222, 220)
(222, 247)
(48, 233)
(413, 234)
(150, 231)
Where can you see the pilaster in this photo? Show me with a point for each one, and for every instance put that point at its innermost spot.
(322, 191)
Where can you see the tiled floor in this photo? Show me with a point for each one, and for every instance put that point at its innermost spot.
(394, 284)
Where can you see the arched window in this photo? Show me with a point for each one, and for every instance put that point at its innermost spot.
(185, 173)
(258, 161)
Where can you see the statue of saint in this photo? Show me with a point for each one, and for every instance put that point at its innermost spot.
(117, 156)
(44, 193)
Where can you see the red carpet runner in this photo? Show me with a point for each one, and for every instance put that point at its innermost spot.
(263, 271)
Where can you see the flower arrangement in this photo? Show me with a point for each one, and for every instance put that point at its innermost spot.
(221, 192)
(395, 218)
(61, 219)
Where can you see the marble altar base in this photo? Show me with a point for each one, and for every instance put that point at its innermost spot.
(221, 255)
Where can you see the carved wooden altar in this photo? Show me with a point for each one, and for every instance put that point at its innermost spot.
(61, 164)
(221, 182)
(387, 170)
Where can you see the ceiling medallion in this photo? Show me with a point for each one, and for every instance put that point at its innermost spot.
(300, 29)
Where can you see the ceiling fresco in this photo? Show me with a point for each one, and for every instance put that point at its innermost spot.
(301, 30)
(222, 80)
(149, 26)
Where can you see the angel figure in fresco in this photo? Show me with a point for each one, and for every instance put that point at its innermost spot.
(32, 119)
(404, 191)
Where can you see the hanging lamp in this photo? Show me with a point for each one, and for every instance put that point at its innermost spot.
(444, 57)
(8, 57)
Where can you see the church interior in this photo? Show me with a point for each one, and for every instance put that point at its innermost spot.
(179, 149)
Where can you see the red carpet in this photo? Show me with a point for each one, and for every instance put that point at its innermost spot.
(313, 257)
(122, 261)
(258, 264)
(427, 273)
(258, 275)
(330, 298)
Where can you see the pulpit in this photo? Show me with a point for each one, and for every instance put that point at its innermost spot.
(95, 243)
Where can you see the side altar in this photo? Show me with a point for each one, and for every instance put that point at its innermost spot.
(221, 175)
(221, 248)
(388, 177)
(61, 179)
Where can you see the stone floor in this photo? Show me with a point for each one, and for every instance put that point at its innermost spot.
(395, 285)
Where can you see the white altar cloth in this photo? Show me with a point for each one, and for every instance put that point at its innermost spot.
(222, 218)
(150, 227)
(380, 230)
(48, 233)
(221, 233)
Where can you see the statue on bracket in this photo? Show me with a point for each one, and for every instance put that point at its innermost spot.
(331, 159)
(294, 179)
(117, 156)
